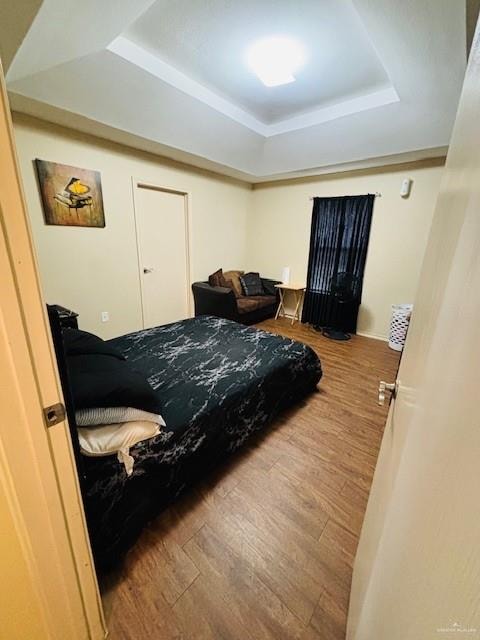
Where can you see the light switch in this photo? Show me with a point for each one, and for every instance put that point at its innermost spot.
(105, 316)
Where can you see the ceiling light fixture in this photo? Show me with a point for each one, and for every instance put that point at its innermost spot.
(275, 59)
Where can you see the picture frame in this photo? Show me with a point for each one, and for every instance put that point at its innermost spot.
(70, 196)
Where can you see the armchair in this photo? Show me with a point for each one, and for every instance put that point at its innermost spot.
(221, 302)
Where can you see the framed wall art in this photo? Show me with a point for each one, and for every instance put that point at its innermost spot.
(70, 196)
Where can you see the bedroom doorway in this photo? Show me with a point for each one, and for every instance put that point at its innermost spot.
(162, 226)
(49, 587)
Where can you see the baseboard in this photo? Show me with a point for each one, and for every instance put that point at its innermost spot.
(375, 336)
(365, 334)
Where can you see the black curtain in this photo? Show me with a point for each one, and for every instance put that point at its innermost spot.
(338, 243)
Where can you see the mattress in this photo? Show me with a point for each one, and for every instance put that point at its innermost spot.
(219, 382)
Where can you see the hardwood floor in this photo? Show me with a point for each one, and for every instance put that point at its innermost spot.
(264, 548)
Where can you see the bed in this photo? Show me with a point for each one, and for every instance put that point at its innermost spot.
(219, 382)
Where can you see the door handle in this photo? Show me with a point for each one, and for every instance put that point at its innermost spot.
(383, 387)
(147, 270)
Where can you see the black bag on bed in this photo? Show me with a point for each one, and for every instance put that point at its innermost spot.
(100, 376)
(79, 343)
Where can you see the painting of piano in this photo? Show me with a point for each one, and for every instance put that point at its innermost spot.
(70, 196)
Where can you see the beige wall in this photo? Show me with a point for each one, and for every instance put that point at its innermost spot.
(92, 270)
(279, 232)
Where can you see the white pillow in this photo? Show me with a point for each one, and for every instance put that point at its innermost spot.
(117, 438)
(113, 415)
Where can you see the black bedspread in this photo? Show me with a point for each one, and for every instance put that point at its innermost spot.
(219, 382)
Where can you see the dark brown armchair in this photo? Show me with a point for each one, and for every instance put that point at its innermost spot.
(222, 302)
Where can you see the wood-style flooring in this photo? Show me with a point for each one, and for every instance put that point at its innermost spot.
(264, 548)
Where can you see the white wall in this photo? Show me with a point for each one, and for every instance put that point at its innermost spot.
(279, 232)
(92, 270)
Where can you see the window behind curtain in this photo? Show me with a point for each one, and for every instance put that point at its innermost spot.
(338, 243)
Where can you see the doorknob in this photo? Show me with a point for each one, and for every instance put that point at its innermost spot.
(383, 387)
(147, 270)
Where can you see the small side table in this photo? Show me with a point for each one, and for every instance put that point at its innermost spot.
(299, 293)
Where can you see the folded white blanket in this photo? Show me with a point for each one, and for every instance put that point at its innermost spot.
(114, 415)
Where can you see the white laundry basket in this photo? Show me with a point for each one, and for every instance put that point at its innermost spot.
(399, 325)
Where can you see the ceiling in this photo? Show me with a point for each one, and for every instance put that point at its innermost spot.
(207, 41)
(380, 84)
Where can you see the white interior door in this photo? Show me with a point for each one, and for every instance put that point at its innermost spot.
(417, 570)
(162, 233)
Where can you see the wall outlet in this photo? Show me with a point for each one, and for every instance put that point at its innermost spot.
(105, 316)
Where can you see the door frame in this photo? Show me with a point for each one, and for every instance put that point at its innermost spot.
(38, 475)
(418, 580)
(187, 204)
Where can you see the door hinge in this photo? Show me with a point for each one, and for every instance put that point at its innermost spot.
(54, 414)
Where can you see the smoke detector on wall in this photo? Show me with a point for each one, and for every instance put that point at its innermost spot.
(406, 187)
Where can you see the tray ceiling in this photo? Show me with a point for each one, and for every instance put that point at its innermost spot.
(207, 41)
(381, 78)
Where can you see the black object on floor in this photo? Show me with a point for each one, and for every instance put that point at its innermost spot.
(334, 334)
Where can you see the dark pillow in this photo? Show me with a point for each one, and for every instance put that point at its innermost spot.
(79, 342)
(216, 279)
(251, 284)
(269, 287)
(103, 380)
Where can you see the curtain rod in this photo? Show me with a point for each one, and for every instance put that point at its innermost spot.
(377, 194)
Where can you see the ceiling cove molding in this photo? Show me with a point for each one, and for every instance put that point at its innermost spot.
(372, 100)
(145, 60)
(434, 157)
(140, 57)
(29, 113)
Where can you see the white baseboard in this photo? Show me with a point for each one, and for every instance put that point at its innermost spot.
(375, 336)
(365, 334)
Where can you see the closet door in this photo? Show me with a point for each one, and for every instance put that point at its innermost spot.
(162, 236)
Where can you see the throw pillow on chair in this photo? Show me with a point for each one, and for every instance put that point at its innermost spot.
(252, 284)
(234, 276)
(216, 279)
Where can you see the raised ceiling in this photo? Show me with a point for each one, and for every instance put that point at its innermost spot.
(207, 41)
(381, 80)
